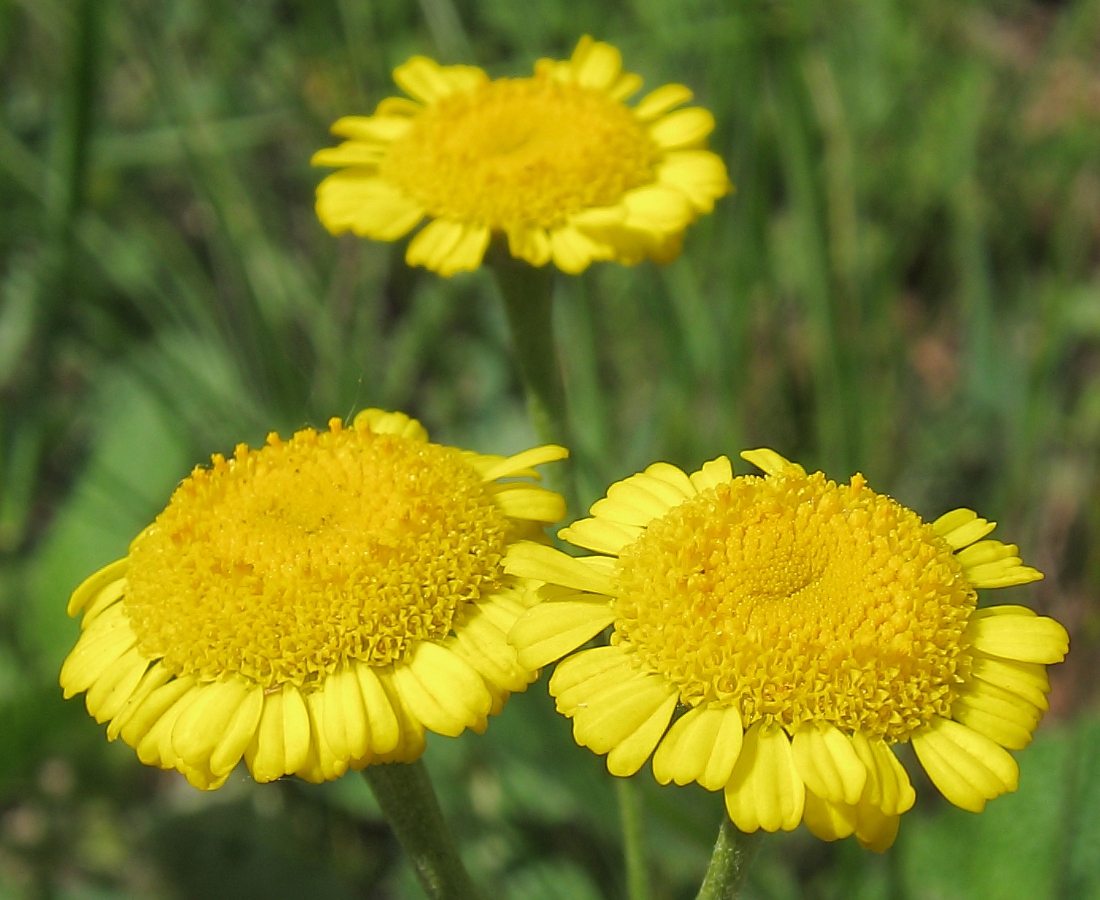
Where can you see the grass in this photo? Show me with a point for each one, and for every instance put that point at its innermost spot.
(905, 284)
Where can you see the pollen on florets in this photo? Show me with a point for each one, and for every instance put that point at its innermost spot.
(284, 563)
(797, 599)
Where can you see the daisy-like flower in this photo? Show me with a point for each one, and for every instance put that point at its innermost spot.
(802, 628)
(314, 605)
(556, 163)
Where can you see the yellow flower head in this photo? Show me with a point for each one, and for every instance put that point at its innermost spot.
(802, 628)
(557, 163)
(314, 605)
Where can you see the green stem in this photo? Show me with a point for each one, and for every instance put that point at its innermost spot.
(630, 812)
(405, 793)
(528, 294)
(729, 866)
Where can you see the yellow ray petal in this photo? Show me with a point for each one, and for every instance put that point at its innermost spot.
(829, 764)
(1028, 681)
(573, 251)
(599, 67)
(429, 82)
(600, 535)
(346, 728)
(967, 767)
(656, 103)
(370, 129)
(698, 174)
(357, 200)
(523, 463)
(530, 560)
(717, 471)
(1016, 633)
(382, 722)
(530, 243)
(630, 754)
(683, 129)
(525, 501)
(702, 745)
(550, 630)
(114, 688)
(90, 587)
(765, 789)
(828, 820)
(238, 734)
(610, 716)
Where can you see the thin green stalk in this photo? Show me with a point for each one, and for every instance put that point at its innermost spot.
(528, 294)
(630, 812)
(734, 852)
(405, 793)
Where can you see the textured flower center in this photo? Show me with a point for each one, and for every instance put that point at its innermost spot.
(796, 599)
(284, 563)
(521, 151)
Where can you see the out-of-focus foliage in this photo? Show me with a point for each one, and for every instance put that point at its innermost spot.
(906, 283)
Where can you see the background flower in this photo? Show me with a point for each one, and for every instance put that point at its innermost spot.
(555, 163)
(806, 627)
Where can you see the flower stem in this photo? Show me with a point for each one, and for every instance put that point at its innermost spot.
(528, 294)
(729, 866)
(405, 793)
(637, 875)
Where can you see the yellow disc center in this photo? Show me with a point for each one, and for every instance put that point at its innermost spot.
(797, 599)
(284, 563)
(525, 151)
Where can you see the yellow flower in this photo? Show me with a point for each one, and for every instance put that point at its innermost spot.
(557, 163)
(802, 628)
(314, 605)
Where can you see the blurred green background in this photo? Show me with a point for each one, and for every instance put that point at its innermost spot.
(906, 283)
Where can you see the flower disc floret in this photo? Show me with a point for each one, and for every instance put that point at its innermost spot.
(556, 164)
(524, 150)
(774, 637)
(797, 599)
(384, 539)
(317, 604)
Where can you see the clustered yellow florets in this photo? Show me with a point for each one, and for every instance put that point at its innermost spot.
(523, 150)
(386, 538)
(796, 599)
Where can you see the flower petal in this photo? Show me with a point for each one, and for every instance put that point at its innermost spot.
(573, 251)
(765, 789)
(1016, 633)
(828, 763)
(280, 744)
(530, 560)
(967, 767)
(428, 81)
(698, 174)
(702, 745)
(597, 66)
(717, 471)
(530, 243)
(682, 130)
(359, 201)
(600, 535)
(630, 754)
(447, 247)
(829, 820)
(1028, 681)
(91, 586)
(656, 103)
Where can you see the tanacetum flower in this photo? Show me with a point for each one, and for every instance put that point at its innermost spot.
(803, 628)
(314, 605)
(556, 163)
